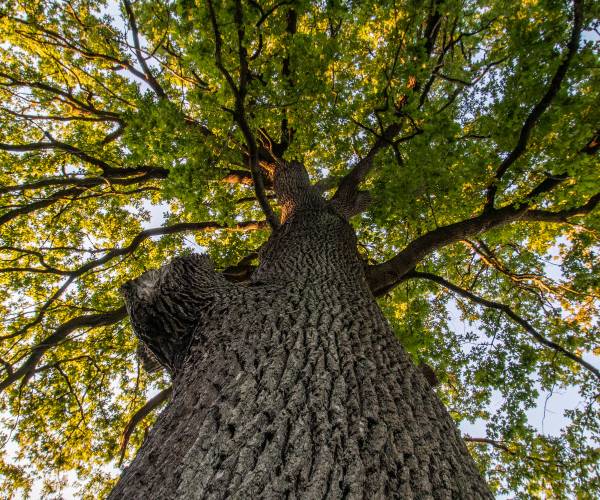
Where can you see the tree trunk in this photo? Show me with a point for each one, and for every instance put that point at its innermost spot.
(291, 386)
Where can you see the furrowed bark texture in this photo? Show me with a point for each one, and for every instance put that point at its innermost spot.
(294, 386)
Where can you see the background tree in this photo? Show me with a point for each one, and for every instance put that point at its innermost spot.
(473, 125)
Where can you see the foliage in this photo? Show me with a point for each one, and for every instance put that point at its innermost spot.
(114, 112)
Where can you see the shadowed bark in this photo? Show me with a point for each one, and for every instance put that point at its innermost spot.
(291, 385)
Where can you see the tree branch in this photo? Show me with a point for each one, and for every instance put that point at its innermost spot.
(287, 133)
(128, 250)
(53, 145)
(79, 186)
(149, 77)
(540, 107)
(593, 144)
(66, 95)
(151, 405)
(60, 40)
(385, 276)
(348, 186)
(432, 27)
(239, 114)
(38, 205)
(26, 370)
(119, 177)
(501, 446)
(510, 313)
(491, 442)
(563, 215)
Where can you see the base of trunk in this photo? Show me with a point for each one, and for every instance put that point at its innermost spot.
(290, 400)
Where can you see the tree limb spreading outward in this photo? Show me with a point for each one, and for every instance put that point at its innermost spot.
(239, 91)
(113, 253)
(27, 369)
(385, 276)
(510, 313)
(148, 76)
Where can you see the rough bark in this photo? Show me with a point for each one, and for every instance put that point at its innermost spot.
(291, 386)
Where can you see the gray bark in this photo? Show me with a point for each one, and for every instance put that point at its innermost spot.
(292, 385)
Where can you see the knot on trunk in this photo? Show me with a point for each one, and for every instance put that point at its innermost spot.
(165, 305)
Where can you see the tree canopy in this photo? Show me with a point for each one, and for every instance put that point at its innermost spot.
(472, 128)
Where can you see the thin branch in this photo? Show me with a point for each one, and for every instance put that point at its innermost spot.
(41, 311)
(219, 49)
(162, 231)
(149, 77)
(58, 368)
(26, 370)
(80, 186)
(62, 94)
(502, 446)
(56, 39)
(510, 313)
(140, 415)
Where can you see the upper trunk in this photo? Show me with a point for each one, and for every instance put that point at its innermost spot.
(293, 385)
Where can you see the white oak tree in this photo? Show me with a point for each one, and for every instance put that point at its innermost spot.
(440, 157)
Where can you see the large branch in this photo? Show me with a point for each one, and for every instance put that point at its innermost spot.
(26, 370)
(38, 205)
(348, 187)
(287, 133)
(162, 231)
(54, 145)
(128, 250)
(510, 313)
(121, 177)
(146, 234)
(541, 106)
(432, 27)
(385, 276)
(107, 169)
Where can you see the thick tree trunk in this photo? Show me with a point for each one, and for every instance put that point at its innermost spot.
(293, 386)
